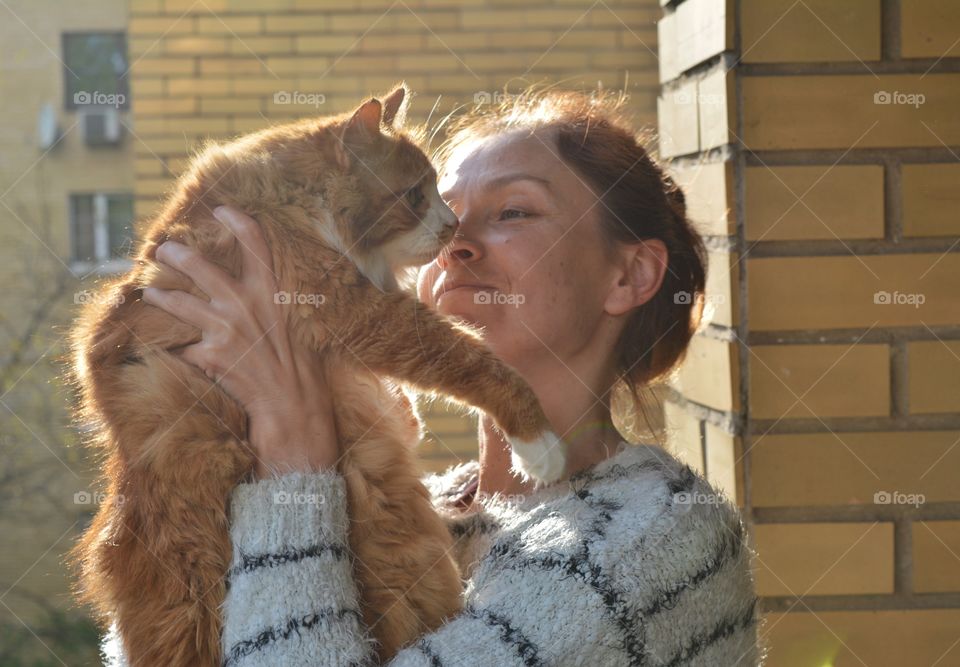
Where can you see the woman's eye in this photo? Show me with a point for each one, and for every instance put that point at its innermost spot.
(414, 197)
(509, 213)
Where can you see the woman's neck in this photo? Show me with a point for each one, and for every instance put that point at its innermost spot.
(584, 424)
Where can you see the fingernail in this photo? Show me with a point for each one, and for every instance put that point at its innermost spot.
(220, 213)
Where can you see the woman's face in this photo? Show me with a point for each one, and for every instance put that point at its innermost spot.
(528, 264)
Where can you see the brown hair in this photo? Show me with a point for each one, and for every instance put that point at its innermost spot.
(640, 202)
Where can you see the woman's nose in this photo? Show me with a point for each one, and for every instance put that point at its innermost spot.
(461, 248)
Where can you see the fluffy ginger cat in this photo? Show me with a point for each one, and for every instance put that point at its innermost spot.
(346, 204)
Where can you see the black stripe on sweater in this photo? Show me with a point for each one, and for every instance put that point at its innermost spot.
(250, 563)
(424, 647)
(723, 630)
(292, 626)
(508, 634)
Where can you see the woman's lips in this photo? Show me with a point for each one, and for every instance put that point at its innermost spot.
(447, 290)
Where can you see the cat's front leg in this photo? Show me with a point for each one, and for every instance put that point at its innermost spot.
(404, 339)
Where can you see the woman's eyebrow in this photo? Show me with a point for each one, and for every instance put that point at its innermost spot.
(506, 179)
(501, 181)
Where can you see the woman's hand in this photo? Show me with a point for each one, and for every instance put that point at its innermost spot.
(247, 350)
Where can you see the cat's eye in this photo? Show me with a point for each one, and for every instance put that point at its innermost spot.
(415, 196)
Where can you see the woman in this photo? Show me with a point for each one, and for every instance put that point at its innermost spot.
(571, 248)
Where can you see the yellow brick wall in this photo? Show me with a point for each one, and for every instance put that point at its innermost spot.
(213, 69)
(819, 144)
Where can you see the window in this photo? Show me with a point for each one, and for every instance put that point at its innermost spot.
(95, 70)
(101, 229)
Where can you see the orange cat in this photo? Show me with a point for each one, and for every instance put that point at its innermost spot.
(345, 203)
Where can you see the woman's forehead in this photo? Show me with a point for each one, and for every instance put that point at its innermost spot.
(492, 160)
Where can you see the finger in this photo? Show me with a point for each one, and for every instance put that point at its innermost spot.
(181, 305)
(257, 261)
(214, 281)
(196, 355)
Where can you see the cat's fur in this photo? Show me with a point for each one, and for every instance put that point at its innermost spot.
(344, 203)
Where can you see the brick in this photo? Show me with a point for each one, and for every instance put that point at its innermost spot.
(263, 86)
(147, 167)
(205, 46)
(720, 301)
(296, 24)
(811, 31)
(199, 87)
(678, 121)
(841, 638)
(336, 45)
(708, 374)
(160, 25)
(708, 188)
(787, 112)
(715, 109)
(669, 60)
(146, 88)
(704, 28)
(723, 468)
(822, 202)
(162, 66)
(809, 381)
(931, 199)
(929, 29)
(229, 25)
(684, 439)
(934, 376)
(391, 43)
(833, 469)
(824, 558)
(298, 65)
(864, 291)
(261, 45)
(164, 106)
(234, 65)
(230, 105)
(936, 563)
(441, 62)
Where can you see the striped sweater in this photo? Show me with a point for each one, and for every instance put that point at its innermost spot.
(633, 561)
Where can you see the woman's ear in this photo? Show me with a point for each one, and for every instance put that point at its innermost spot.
(642, 266)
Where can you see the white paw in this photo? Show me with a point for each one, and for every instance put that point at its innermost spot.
(543, 459)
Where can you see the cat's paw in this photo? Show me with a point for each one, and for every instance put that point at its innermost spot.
(544, 458)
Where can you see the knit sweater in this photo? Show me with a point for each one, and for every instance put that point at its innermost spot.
(633, 561)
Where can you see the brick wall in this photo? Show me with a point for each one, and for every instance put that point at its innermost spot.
(221, 67)
(819, 142)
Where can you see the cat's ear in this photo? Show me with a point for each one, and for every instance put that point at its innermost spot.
(395, 106)
(362, 127)
(366, 119)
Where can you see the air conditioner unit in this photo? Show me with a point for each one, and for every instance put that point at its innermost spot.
(101, 126)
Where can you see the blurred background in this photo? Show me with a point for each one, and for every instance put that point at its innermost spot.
(819, 146)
